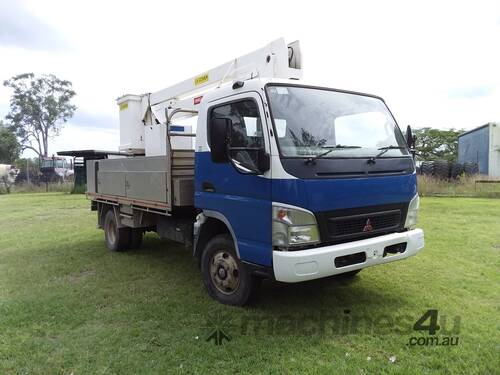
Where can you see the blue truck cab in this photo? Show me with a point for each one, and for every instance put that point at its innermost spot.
(302, 182)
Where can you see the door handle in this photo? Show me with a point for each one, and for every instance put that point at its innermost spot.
(208, 187)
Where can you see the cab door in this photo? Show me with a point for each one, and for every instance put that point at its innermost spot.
(235, 190)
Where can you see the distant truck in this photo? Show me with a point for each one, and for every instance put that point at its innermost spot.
(56, 170)
(285, 180)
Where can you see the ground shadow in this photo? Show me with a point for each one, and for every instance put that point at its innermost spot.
(272, 296)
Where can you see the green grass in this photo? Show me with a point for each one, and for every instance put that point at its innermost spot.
(67, 305)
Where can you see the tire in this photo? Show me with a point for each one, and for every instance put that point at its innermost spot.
(347, 275)
(117, 239)
(471, 168)
(442, 169)
(226, 278)
(427, 168)
(456, 170)
(136, 238)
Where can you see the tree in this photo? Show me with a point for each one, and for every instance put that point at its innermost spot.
(38, 108)
(436, 144)
(9, 146)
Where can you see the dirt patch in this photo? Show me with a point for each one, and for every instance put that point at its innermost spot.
(76, 278)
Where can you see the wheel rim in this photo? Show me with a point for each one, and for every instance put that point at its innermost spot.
(224, 272)
(111, 231)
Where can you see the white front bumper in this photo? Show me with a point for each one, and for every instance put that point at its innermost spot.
(302, 265)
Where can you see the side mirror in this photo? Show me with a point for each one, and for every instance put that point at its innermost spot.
(219, 132)
(410, 140)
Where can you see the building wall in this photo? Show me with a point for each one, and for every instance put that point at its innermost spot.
(494, 159)
(474, 147)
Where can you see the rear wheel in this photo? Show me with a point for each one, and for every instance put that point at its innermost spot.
(226, 278)
(117, 239)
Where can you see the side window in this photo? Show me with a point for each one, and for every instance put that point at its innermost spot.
(246, 136)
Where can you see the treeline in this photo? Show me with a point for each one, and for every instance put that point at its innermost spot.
(436, 144)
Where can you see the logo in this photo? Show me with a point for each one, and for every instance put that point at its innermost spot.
(368, 226)
(201, 79)
(429, 322)
(218, 336)
(218, 327)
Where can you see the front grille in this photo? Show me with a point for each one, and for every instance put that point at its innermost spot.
(351, 224)
(341, 226)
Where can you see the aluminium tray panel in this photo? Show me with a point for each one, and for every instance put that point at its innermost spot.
(144, 178)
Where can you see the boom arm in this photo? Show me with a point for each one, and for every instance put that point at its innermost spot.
(276, 60)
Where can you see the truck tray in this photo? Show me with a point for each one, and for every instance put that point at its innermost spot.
(144, 180)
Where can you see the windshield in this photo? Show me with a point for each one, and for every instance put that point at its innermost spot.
(48, 163)
(309, 121)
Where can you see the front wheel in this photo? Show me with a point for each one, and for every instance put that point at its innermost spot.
(226, 278)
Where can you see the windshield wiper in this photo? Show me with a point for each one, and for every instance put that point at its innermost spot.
(383, 150)
(330, 149)
(387, 148)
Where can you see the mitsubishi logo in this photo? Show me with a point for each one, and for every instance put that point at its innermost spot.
(368, 226)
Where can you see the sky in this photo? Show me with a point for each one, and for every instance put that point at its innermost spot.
(436, 63)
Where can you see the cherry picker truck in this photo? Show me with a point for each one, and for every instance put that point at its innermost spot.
(262, 175)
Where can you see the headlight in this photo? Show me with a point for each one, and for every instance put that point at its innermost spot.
(293, 227)
(411, 216)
